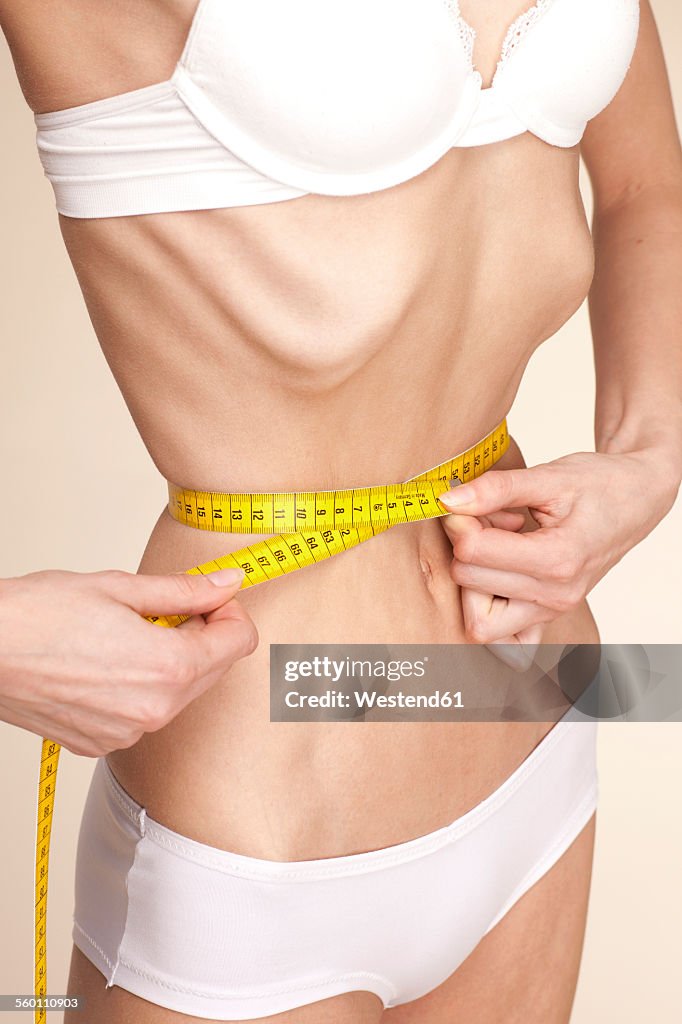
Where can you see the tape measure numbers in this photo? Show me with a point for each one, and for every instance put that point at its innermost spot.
(49, 759)
(310, 526)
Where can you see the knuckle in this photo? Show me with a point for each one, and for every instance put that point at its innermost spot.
(129, 737)
(460, 572)
(251, 639)
(184, 584)
(138, 716)
(496, 486)
(576, 593)
(476, 632)
(565, 568)
(113, 576)
(185, 671)
(170, 666)
(505, 487)
(156, 720)
(156, 715)
(568, 597)
(557, 601)
(464, 548)
(161, 687)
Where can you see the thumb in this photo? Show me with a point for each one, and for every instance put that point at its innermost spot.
(177, 593)
(501, 489)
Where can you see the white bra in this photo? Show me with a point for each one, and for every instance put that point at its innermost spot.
(273, 99)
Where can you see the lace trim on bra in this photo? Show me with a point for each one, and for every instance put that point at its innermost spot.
(513, 35)
(466, 33)
(519, 27)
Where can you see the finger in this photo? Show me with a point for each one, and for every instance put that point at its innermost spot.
(493, 618)
(518, 652)
(476, 610)
(459, 527)
(217, 644)
(535, 553)
(175, 593)
(509, 488)
(508, 584)
(230, 610)
(506, 520)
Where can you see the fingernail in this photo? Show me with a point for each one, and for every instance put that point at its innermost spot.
(458, 496)
(225, 577)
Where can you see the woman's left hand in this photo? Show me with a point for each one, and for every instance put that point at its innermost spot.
(590, 509)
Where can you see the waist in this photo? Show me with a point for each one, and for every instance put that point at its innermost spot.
(353, 506)
(316, 526)
(415, 556)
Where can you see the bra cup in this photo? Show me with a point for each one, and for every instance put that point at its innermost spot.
(580, 50)
(304, 85)
(270, 101)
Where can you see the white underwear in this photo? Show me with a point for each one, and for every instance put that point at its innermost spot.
(216, 934)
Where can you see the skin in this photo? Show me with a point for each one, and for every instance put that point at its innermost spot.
(292, 319)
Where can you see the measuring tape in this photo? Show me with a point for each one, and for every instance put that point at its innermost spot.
(309, 526)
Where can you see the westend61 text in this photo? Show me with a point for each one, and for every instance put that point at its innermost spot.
(370, 699)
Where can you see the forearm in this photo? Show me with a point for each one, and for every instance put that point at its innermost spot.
(635, 309)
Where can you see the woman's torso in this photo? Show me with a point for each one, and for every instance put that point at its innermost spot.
(315, 343)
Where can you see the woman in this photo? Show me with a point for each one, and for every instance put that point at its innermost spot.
(318, 251)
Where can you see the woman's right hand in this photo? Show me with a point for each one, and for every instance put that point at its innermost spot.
(79, 663)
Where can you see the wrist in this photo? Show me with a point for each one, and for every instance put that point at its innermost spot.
(657, 445)
(661, 475)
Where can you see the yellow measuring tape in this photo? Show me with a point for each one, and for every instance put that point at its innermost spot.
(309, 526)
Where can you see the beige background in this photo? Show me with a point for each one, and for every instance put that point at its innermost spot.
(64, 424)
